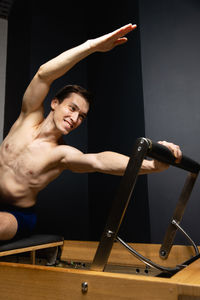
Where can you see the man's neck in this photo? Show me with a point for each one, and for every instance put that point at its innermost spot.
(48, 131)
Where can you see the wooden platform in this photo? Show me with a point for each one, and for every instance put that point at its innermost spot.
(56, 283)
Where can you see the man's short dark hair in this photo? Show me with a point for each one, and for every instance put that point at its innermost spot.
(67, 90)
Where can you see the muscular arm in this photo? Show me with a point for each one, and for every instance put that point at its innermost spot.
(39, 87)
(58, 66)
(109, 162)
(103, 162)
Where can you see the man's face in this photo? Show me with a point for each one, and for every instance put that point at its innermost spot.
(69, 114)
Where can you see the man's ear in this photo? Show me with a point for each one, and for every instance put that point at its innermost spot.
(54, 103)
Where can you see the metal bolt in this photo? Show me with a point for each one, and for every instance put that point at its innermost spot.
(84, 286)
(139, 148)
(109, 233)
(163, 253)
(174, 223)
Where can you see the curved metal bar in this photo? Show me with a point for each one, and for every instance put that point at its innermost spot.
(147, 261)
(177, 215)
(187, 236)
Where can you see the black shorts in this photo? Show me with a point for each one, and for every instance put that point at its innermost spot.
(26, 219)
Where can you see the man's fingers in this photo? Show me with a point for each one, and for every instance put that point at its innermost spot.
(121, 32)
(175, 149)
(121, 41)
(124, 30)
(119, 35)
(178, 154)
(110, 40)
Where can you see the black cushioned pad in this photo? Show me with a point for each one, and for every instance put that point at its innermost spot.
(33, 240)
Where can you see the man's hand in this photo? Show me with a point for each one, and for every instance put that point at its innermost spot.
(111, 40)
(175, 149)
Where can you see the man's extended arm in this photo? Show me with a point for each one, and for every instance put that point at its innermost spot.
(111, 162)
(58, 66)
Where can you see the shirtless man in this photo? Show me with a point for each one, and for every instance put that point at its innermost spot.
(31, 155)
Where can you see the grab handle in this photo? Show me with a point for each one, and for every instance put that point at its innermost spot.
(162, 153)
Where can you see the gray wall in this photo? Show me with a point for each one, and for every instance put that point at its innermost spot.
(170, 49)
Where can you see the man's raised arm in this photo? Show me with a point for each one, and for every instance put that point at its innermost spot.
(58, 66)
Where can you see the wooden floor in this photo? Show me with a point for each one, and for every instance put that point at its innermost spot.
(26, 281)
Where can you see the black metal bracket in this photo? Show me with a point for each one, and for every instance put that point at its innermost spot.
(142, 148)
(177, 216)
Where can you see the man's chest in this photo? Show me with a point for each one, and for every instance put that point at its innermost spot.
(32, 158)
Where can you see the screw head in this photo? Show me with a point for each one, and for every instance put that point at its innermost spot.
(84, 287)
(162, 252)
(109, 233)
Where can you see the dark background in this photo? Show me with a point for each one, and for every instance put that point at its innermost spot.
(147, 87)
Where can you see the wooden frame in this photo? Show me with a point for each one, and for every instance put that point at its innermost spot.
(18, 281)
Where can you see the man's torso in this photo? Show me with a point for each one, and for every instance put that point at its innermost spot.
(27, 165)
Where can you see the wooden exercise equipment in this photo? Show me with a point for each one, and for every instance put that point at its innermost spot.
(32, 244)
(106, 270)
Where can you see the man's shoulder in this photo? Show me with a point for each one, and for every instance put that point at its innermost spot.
(66, 151)
(28, 120)
(68, 155)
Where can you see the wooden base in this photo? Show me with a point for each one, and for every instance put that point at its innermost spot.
(85, 251)
(19, 281)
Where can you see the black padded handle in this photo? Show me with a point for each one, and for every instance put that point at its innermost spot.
(162, 153)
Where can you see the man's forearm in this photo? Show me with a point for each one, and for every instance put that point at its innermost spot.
(115, 164)
(59, 65)
(152, 166)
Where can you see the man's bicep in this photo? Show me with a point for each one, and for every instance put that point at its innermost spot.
(35, 94)
(77, 161)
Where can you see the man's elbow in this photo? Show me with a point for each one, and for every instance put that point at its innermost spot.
(43, 74)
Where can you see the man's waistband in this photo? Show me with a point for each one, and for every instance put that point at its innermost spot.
(8, 207)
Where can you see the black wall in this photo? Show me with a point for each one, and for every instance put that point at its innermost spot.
(77, 205)
(116, 119)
